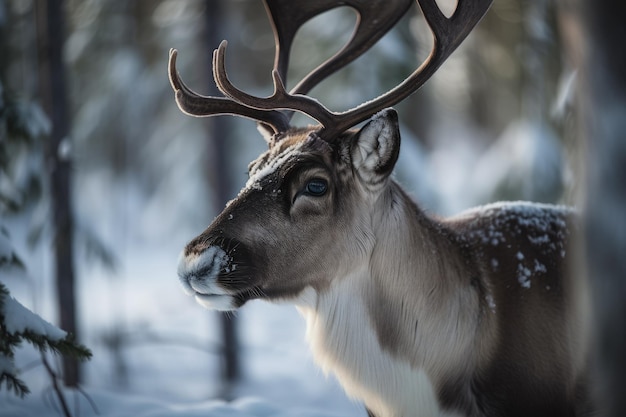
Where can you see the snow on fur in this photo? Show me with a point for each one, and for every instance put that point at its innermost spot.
(536, 219)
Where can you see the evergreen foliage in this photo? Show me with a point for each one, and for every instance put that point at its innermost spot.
(33, 334)
(23, 124)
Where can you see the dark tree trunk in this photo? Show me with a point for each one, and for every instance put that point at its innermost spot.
(50, 35)
(595, 33)
(218, 132)
(605, 79)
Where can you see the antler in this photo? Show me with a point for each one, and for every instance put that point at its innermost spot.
(376, 17)
(280, 99)
(195, 104)
(448, 34)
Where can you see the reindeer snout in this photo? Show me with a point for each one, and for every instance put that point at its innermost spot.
(198, 271)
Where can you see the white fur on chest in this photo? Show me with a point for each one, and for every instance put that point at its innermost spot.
(344, 343)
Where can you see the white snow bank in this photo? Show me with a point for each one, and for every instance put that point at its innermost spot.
(116, 405)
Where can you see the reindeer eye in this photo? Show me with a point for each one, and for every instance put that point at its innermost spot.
(316, 187)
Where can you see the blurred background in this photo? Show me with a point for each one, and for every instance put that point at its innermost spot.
(102, 175)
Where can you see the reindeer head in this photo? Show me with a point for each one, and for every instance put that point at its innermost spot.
(302, 213)
(307, 213)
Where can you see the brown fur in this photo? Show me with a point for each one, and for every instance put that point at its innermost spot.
(481, 307)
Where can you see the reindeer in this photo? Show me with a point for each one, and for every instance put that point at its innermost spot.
(474, 315)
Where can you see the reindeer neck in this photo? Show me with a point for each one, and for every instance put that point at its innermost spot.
(414, 247)
(403, 309)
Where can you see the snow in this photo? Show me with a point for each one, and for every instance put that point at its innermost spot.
(525, 211)
(495, 264)
(117, 405)
(257, 176)
(537, 219)
(539, 267)
(539, 240)
(19, 319)
(523, 276)
(491, 303)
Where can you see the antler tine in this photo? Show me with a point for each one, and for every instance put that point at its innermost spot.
(375, 18)
(280, 99)
(286, 17)
(194, 104)
(448, 33)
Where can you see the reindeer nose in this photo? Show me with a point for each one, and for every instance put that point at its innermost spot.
(198, 271)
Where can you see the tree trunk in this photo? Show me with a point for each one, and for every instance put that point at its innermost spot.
(218, 132)
(605, 72)
(50, 38)
(594, 33)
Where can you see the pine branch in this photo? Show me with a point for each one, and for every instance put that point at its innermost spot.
(10, 340)
(14, 383)
(66, 346)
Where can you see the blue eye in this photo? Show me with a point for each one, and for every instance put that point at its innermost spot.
(316, 187)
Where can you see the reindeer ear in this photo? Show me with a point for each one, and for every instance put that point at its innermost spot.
(375, 148)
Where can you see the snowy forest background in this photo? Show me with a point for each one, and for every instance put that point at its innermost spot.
(505, 118)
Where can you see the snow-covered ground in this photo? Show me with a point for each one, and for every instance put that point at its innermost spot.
(169, 365)
(103, 403)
